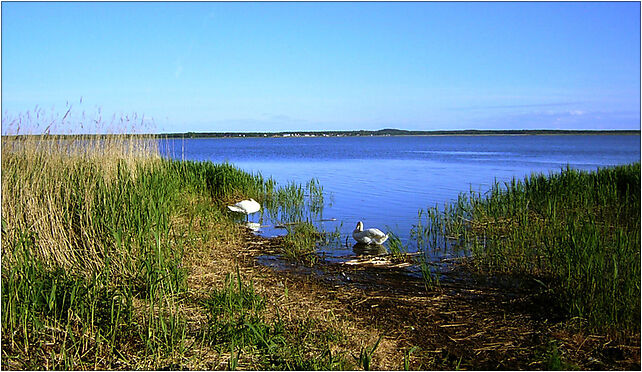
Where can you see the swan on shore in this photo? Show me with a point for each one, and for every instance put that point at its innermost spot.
(370, 236)
(245, 206)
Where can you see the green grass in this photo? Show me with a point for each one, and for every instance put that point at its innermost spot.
(300, 243)
(576, 232)
(364, 360)
(398, 251)
(294, 203)
(95, 232)
(431, 280)
(85, 235)
(225, 183)
(237, 322)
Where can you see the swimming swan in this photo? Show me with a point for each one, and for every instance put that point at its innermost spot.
(245, 206)
(370, 236)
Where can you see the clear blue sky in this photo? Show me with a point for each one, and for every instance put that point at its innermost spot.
(327, 66)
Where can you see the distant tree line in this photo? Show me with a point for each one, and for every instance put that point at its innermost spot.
(352, 133)
(393, 132)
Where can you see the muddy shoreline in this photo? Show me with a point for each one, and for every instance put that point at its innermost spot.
(468, 322)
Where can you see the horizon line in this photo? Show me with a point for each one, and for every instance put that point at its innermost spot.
(357, 132)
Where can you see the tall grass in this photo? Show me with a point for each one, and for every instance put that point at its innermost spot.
(577, 232)
(224, 183)
(86, 224)
(93, 249)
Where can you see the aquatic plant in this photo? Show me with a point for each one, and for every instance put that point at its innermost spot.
(431, 280)
(576, 231)
(293, 203)
(225, 183)
(331, 239)
(315, 202)
(398, 250)
(300, 242)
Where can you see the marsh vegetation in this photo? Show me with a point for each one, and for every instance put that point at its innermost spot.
(575, 233)
(114, 257)
(99, 235)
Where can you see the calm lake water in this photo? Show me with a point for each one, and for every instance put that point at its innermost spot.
(385, 181)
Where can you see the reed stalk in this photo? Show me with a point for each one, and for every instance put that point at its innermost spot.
(576, 231)
(94, 232)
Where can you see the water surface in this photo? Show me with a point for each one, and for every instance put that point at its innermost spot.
(385, 181)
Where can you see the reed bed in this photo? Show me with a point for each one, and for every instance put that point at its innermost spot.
(85, 233)
(94, 234)
(576, 233)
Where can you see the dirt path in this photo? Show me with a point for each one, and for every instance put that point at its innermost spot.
(463, 324)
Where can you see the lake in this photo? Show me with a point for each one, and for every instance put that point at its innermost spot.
(385, 181)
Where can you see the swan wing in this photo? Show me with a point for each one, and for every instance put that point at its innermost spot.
(361, 237)
(381, 239)
(235, 208)
(245, 206)
(375, 233)
(251, 206)
(370, 236)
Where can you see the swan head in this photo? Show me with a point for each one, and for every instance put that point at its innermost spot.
(359, 226)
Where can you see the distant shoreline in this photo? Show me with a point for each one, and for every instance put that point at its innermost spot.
(358, 133)
(395, 133)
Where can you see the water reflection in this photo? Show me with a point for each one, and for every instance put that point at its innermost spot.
(361, 249)
(254, 226)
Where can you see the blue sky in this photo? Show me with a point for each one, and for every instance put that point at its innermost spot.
(324, 66)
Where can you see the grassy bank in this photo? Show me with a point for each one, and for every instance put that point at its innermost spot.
(576, 233)
(115, 258)
(97, 235)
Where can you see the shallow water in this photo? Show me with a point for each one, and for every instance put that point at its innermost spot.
(385, 181)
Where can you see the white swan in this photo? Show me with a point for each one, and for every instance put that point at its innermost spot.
(370, 236)
(245, 206)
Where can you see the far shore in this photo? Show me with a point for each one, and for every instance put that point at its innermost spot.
(397, 133)
(361, 133)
